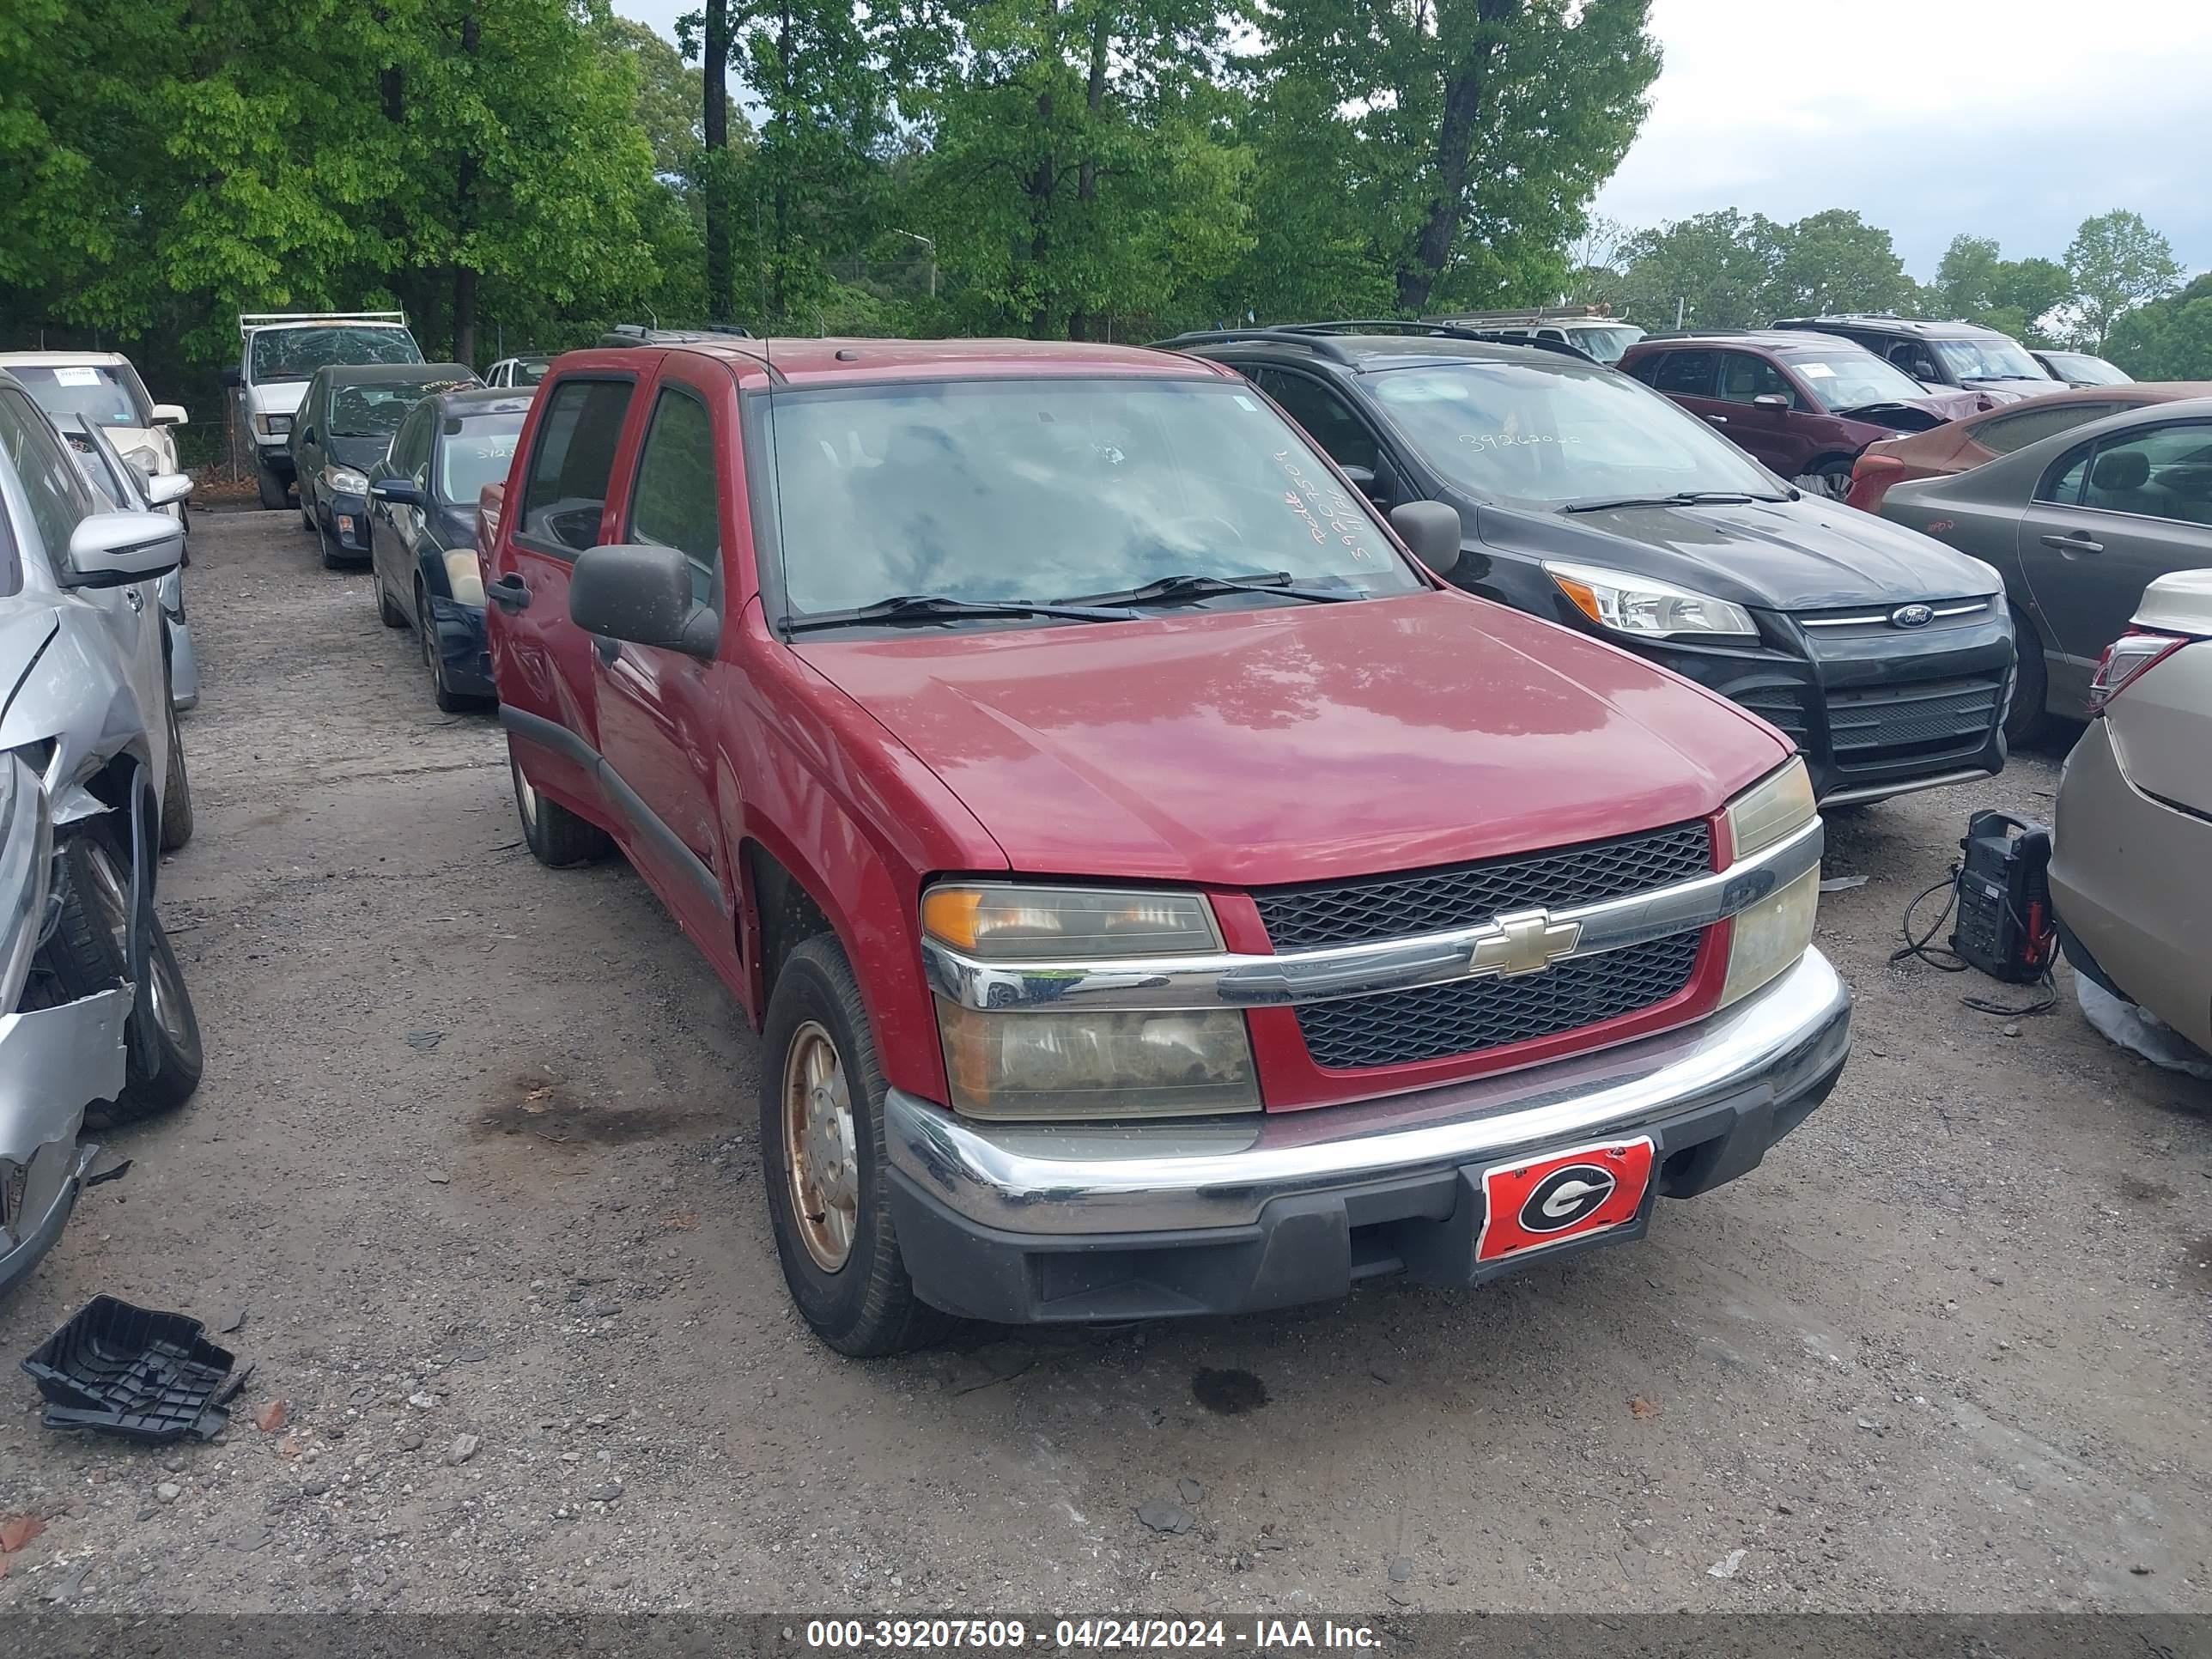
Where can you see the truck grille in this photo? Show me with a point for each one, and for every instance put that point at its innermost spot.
(1468, 1015)
(1903, 722)
(1459, 896)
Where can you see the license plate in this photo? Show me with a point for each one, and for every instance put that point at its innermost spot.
(1561, 1196)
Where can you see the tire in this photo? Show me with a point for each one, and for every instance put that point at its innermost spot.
(556, 838)
(88, 953)
(1828, 479)
(307, 513)
(861, 1302)
(2029, 716)
(334, 557)
(426, 643)
(386, 612)
(176, 792)
(274, 496)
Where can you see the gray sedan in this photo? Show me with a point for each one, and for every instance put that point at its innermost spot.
(2079, 524)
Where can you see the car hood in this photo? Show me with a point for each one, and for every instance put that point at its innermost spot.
(1913, 414)
(2014, 391)
(277, 396)
(1298, 742)
(1806, 555)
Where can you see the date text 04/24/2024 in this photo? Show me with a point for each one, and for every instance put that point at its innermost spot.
(989, 1635)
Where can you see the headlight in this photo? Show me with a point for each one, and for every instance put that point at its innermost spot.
(1032, 924)
(345, 480)
(1025, 1063)
(26, 859)
(1646, 608)
(273, 426)
(464, 577)
(1765, 939)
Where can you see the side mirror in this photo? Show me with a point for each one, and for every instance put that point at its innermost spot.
(1770, 400)
(170, 414)
(232, 378)
(165, 488)
(643, 595)
(1431, 531)
(113, 550)
(305, 435)
(1364, 478)
(398, 492)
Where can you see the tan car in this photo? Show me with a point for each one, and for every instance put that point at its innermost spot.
(2134, 826)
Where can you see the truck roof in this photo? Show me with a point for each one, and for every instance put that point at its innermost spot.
(812, 362)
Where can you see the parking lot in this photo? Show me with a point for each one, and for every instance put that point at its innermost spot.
(475, 1161)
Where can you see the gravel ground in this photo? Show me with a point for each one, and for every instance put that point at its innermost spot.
(475, 1165)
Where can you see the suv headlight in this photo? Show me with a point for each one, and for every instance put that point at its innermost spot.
(27, 846)
(1022, 1062)
(1644, 607)
(345, 480)
(273, 426)
(1765, 939)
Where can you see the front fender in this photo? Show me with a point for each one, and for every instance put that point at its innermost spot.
(78, 696)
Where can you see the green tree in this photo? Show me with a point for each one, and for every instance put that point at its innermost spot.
(1833, 262)
(1081, 162)
(1974, 282)
(1472, 133)
(2168, 339)
(2116, 261)
(1712, 269)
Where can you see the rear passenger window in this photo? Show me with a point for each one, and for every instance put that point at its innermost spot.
(565, 492)
(2010, 432)
(1324, 415)
(676, 501)
(1686, 373)
(2061, 484)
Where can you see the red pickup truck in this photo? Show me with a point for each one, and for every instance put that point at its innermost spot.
(1156, 893)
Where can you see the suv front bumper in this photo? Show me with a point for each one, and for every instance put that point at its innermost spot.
(1028, 1223)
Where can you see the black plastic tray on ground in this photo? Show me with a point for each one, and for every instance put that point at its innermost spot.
(131, 1371)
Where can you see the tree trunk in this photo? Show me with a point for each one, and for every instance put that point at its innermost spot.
(714, 119)
(1465, 103)
(1083, 323)
(464, 222)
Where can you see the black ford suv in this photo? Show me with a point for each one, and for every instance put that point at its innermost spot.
(1590, 500)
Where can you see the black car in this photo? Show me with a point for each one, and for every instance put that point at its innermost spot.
(1962, 354)
(345, 424)
(422, 529)
(1590, 500)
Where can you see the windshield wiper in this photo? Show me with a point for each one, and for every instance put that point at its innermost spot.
(1171, 590)
(1680, 498)
(936, 607)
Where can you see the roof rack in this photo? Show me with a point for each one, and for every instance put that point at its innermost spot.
(250, 320)
(1320, 345)
(1442, 331)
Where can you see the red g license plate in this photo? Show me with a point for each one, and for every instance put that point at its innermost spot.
(1562, 1195)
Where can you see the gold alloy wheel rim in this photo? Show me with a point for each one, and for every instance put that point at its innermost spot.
(818, 1157)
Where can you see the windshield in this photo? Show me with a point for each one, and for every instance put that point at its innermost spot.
(1992, 359)
(1051, 489)
(1846, 380)
(2089, 371)
(295, 354)
(1560, 433)
(376, 409)
(1606, 344)
(111, 397)
(476, 455)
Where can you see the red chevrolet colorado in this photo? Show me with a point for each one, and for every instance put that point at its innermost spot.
(1157, 894)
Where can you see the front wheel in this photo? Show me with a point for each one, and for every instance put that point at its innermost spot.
(556, 838)
(822, 1159)
(388, 609)
(1830, 480)
(271, 489)
(90, 950)
(176, 791)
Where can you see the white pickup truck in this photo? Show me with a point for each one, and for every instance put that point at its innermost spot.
(279, 354)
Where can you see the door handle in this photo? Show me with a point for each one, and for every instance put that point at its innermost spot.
(2074, 542)
(509, 592)
(1717, 419)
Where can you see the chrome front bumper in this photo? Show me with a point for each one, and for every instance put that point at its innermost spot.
(1058, 1181)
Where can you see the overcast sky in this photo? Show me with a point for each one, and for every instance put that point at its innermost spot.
(2011, 119)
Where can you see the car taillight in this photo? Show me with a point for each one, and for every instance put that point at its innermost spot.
(2126, 660)
(1871, 478)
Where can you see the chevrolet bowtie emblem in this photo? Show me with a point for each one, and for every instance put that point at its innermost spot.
(1524, 942)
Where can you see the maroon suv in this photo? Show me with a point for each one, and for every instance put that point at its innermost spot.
(1804, 404)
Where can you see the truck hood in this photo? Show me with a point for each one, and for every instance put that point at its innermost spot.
(1300, 742)
(275, 397)
(1808, 555)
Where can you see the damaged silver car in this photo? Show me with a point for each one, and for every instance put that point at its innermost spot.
(94, 1013)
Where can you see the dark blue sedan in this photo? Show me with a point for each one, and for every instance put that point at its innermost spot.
(422, 522)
